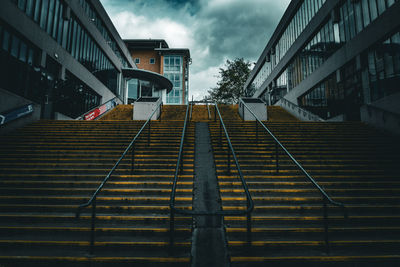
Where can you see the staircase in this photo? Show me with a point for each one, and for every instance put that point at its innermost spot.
(355, 165)
(120, 113)
(277, 113)
(49, 168)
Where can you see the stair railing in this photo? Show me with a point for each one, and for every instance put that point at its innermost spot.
(326, 198)
(178, 170)
(92, 200)
(303, 113)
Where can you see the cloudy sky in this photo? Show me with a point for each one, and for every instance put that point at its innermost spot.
(213, 30)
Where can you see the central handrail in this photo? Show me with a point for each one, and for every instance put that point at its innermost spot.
(326, 197)
(92, 200)
(249, 200)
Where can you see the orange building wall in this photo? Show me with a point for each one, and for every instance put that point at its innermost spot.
(145, 60)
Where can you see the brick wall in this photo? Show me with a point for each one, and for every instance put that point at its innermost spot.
(145, 60)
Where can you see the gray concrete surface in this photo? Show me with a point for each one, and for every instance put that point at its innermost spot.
(208, 242)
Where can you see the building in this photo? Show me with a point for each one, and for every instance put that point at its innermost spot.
(333, 58)
(156, 56)
(65, 57)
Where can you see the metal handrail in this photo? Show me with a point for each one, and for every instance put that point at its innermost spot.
(326, 197)
(310, 114)
(81, 117)
(249, 200)
(92, 200)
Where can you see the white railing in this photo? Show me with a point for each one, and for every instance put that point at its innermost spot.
(298, 112)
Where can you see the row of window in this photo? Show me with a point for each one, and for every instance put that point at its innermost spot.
(324, 43)
(83, 48)
(151, 60)
(356, 15)
(304, 14)
(173, 64)
(20, 74)
(353, 17)
(369, 77)
(70, 34)
(17, 60)
(95, 18)
(74, 98)
(17, 47)
(173, 71)
(300, 20)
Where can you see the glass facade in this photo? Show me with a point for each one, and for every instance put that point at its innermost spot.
(70, 34)
(73, 97)
(95, 18)
(354, 16)
(302, 17)
(20, 74)
(173, 71)
(368, 77)
(322, 45)
(17, 70)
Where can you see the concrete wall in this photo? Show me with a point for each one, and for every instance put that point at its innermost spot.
(142, 110)
(259, 109)
(383, 114)
(381, 119)
(9, 101)
(298, 112)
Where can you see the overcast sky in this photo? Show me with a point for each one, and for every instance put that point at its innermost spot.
(213, 30)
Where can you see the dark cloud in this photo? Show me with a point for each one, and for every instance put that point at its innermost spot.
(213, 30)
(237, 30)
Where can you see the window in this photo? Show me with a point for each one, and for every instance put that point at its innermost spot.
(152, 61)
(6, 40)
(43, 14)
(14, 46)
(22, 52)
(373, 9)
(137, 60)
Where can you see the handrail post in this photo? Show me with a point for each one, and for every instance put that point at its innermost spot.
(148, 133)
(93, 226)
(133, 158)
(326, 226)
(229, 158)
(276, 158)
(256, 131)
(181, 159)
(215, 113)
(243, 113)
(171, 228)
(248, 224)
(160, 107)
(220, 133)
(191, 110)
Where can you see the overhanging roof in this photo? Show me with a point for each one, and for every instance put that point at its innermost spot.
(181, 51)
(146, 75)
(145, 44)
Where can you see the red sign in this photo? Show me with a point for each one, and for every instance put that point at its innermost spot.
(100, 110)
(92, 115)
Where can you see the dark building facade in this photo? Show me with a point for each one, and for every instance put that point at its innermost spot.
(332, 57)
(173, 63)
(63, 55)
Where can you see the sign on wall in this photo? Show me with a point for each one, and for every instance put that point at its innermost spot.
(100, 110)
(14, 114)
